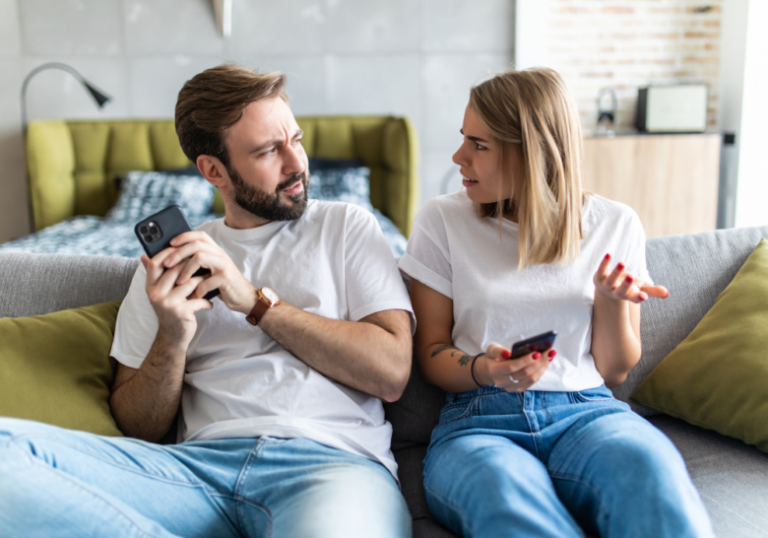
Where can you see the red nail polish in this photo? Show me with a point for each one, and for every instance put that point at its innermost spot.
(630, 279)
(607, 257)
(620, 266)
(551, 353)
(505, 354)
(550, 360)
(536, 356)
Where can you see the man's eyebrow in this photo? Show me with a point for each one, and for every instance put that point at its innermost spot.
(474, 138)
(274, 142)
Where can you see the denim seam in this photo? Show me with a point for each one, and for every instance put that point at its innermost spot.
(452, 507)
(64, 476)
(602, 515)
(115, 464)
(240, 479)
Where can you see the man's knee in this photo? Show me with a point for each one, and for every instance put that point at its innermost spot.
(349, 500)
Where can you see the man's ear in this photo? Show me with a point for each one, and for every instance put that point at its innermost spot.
(213, 170)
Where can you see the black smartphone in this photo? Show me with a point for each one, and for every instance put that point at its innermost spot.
(156, 231)
(541, 343)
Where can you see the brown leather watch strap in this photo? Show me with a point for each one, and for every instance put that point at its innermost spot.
(257, 312)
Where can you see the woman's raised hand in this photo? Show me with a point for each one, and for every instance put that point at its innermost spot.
(620, 285)
(512, 375)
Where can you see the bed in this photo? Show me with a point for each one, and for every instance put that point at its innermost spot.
(78, 206)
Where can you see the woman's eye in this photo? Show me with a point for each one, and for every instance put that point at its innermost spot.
(479, 146)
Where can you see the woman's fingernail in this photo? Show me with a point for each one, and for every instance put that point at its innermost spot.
(607, 256)
(629, 279)
(536, 356)
(620, 266)
(551, 353)
(506, 354)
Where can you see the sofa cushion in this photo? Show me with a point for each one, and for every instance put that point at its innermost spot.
(695, 268)
(732, 477)
(33, 284)
(56, 368)
(716, 377)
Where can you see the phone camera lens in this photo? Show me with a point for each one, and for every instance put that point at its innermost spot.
(148, 238)
(143, 229)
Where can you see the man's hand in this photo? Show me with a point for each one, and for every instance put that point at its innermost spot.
(174, 308)
(620, 285)
(512, 375)
(194, 250)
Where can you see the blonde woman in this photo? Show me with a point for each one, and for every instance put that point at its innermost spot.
(537, 445)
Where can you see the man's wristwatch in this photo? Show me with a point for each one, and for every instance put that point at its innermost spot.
(266, 298)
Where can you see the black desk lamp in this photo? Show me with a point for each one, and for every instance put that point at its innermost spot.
(98, 96)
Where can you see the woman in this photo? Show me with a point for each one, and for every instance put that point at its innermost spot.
(537, 445)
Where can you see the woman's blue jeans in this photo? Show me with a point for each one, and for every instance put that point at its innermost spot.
(61, 483)
(556, 464)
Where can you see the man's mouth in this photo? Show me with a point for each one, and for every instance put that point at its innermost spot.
(294, 189)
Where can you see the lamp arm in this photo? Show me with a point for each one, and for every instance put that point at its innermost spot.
(50, 65)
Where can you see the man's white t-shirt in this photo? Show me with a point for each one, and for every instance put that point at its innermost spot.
(467, 259)
(239, 383)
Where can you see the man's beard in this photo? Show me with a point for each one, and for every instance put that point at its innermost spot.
(268, 206)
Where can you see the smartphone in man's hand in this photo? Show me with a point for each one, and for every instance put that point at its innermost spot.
(156, 232)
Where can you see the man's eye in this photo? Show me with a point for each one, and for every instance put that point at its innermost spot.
(297, 141)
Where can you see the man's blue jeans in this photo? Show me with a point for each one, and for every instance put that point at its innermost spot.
(61, 483)
(549, 464)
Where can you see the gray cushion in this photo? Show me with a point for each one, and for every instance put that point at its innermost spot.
(695, 268)
(731, 476)
(33, 284)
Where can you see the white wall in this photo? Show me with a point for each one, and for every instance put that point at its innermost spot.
(411, 57)
(745, 106)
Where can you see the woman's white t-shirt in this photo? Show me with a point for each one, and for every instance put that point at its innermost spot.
(465, 258)
(239, 382)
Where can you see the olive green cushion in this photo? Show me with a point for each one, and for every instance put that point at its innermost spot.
(717, 378)
(56, 368)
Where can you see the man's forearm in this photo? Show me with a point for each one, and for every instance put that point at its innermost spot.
(145, 405)
(361, 355)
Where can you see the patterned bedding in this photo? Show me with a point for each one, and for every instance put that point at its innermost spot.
(145, 193)
(97, 236)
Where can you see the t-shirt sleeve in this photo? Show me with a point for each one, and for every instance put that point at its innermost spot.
(137, 324)
(427, 257)
(373, 282)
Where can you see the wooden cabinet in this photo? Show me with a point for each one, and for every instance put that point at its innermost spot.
(670, 180)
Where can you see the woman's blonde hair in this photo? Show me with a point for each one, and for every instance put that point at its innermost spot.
(533, 110)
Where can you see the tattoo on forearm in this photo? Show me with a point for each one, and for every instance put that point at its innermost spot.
(463, 357)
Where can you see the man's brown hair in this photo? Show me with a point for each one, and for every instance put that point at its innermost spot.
(214, 100)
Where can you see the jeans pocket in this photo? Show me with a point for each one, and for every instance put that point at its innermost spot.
(599, 394)
(455, 411)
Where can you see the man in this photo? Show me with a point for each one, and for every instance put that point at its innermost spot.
(280, 378)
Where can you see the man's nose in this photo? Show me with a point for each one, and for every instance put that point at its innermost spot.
(293, 163)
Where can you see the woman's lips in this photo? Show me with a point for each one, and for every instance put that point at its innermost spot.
(296, 189)
(468, 182)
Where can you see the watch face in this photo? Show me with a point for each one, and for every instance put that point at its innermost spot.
(270, 294)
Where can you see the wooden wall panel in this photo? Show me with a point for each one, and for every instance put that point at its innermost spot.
(670, 180)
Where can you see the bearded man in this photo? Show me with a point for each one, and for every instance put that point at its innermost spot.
(279, 379)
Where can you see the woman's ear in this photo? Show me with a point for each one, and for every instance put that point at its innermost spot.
(213, 170)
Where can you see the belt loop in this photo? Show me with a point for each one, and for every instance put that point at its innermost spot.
(449, 397)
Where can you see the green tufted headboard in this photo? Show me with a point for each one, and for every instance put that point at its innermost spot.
(72, 163)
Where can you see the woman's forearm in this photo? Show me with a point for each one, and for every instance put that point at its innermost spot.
(448, 367)
(615, 338)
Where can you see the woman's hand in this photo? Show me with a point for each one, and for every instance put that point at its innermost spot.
(620, 285)
(515, 375)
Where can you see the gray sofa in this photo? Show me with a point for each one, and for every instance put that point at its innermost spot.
(731, 476)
